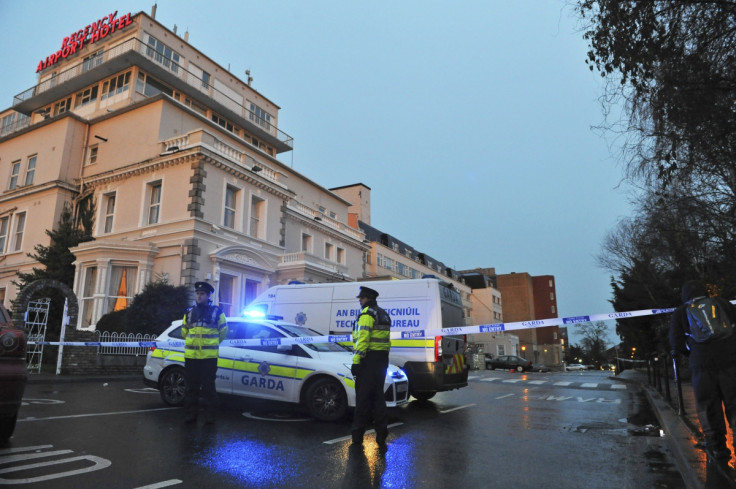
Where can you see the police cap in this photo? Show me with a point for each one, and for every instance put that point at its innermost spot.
(204, 287)
(367, 293)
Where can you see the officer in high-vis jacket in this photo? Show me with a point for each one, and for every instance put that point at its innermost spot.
(203, 329)
(372, 342)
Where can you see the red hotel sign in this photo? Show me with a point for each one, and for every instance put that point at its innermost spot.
(89, 35)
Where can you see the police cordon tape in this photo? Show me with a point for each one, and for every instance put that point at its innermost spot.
(395, 335)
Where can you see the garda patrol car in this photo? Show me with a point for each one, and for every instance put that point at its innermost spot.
(316, 375)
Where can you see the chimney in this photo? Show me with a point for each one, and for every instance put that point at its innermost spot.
(153, 11)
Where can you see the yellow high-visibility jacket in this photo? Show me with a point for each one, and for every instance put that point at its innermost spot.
(372, 332)
(203, 329)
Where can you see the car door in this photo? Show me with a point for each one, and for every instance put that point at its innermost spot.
(266, 371)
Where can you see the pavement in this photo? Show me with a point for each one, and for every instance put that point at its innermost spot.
(681, 426)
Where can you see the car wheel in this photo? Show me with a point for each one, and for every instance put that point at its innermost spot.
(173, 386)
(326, 400)
(423, 396)
(519, 368)
(7, 426)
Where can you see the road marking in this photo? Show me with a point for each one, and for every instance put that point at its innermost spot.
(489, 379)
(90, 415)
(27, 456)
(455, 409)
(512, 381)
(537, 382)
(618, 386)
(346, 438)
(562, 383)
(588, 384)
(473, 377)
(507, 395)
(168, 483)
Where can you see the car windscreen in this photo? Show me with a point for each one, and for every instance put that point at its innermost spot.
(297, 331)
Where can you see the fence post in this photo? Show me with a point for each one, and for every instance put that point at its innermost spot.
(666, 381)
(678, 384)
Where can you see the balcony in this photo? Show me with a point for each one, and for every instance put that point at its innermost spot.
(314, 264)
(134, 52)
(327, 221)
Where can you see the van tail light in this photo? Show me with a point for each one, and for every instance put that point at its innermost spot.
(437, 348)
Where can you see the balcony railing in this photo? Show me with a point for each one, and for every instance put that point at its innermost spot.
(169, 67)
(327, 221)
(242, 159)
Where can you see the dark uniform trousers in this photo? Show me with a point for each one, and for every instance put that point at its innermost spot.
(712, 387)
(369, 393)
(200, 375)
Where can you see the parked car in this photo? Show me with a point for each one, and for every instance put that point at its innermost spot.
(13, 373)
(509, 362)
(575, 366)
(316, 375)
(538, 367)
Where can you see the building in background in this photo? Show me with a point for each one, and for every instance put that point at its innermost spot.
(527, 298)
(487, 308)
(392, 259)
(181, 160)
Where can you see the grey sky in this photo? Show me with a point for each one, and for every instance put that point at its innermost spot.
(470, 121)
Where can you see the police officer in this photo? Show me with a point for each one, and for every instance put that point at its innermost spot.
(203, 329)
(372, 342)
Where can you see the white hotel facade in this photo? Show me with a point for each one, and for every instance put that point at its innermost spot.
(181, 160)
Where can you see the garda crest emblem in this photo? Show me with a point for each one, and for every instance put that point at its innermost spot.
(264, 368)
(301, 318)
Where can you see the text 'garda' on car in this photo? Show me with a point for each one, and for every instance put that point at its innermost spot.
(315, 375)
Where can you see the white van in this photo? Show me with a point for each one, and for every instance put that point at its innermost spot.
(432, 364)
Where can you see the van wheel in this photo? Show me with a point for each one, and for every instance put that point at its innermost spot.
(519, 368)
(423, 396)
(326, 400)
(173, 386)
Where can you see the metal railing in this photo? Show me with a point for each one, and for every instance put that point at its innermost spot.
(662, 372)
(171, 67)
(105, 336)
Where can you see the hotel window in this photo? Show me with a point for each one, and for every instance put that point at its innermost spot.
(333, 215)
(340, 255)
(379, 259)
(88, 292)
(231, 199)
(501, 349)
(306, 242)
(4, 222)
(8, 124)
(109, 200)
(162, 54)
(205, 80)
(388, 263)
(195, 106)
(257, 211)
(121, 287)
(14, 175)
(115, 85)
(153, 193)
(260, 116)
(551, 296)
(86, 96)
(322, 210)
(92, 155)
(401, 269)
(94, 59)
(328, 251)
(20, 224)
(63, 106)
(149, 86)
(30, 170)
(224, 123)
